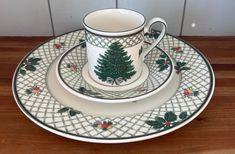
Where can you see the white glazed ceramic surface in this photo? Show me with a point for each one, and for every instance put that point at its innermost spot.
(114, 42)
(38, 95)
(114, 22)
(79, 82)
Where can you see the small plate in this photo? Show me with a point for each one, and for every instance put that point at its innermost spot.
(38, 97)
(72, 73)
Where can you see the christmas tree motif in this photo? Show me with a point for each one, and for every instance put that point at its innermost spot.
(115, 66)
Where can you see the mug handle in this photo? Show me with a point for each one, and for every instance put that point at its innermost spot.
(147, 29)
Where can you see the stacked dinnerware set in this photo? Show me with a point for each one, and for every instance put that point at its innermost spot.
(117, 81)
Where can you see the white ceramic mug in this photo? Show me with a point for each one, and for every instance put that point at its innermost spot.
(114, 40)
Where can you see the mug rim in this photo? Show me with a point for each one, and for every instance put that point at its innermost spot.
(114, 33)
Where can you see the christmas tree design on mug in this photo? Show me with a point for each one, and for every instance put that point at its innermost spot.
(115, 66)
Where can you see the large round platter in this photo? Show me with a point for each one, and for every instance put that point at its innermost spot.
(38, 102)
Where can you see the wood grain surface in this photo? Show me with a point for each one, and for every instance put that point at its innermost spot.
(213, 131)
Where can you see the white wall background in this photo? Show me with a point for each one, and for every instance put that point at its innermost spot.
(24, 18)
(184, 17)
(67, 16)
(210, 17)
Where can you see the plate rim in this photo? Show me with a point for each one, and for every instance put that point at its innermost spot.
(113, 140)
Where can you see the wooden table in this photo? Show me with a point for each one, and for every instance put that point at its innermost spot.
(213, 131)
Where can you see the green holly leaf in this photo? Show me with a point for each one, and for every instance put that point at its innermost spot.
(156, 35)
(167, 127)
(34, 63)
(163, 56)
(170, 116)
(160, 120)
(30, 68)
(83, 43)
(104, 129)
(110, 123)
(185, 68)
(151, 122)
(180, 64)
(160, 61)
(62, 110)
(30, 59)
(82, 90)
(34, 59)
(28, 91)
(183, 115)
(177, 67)
(158, 125)
(146, 34)
(73, 112)
(176, 123)
(183, 63)
(68, 65)
(163, 68)
(22, 72)
(160, 65)
(155, 124)
(81, 40)
(196, 93)
(22, 64)
(150, 35)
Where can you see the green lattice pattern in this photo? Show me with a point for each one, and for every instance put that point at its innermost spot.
(105, 42)
(44, 107)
